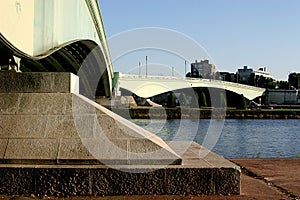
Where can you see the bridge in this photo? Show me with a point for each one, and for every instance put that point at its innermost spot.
(51, 133)
(68, 36)
(153, 85)
(56, 36)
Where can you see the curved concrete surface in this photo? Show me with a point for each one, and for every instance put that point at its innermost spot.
(56, 36)
(153, 85)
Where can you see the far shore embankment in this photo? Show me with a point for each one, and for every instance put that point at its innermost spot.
(207, 113)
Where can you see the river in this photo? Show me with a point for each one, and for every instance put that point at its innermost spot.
(233, 138)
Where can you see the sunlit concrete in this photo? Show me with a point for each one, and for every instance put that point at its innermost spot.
(153, 85)
(34, 30)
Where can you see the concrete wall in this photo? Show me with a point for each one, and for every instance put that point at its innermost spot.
(57, 22)
(282, 97)
(35, 26)
(17, 23)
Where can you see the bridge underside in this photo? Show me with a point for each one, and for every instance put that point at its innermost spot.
(142, 94)
(82, 57)
(212, 96)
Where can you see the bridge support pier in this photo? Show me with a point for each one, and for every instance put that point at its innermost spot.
(48, 149)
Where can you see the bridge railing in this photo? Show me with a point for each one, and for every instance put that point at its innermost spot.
(226, 83)
(242, 86)
(94, 9)
(134, 76)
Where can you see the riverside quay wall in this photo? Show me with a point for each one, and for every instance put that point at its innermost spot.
(193, 113)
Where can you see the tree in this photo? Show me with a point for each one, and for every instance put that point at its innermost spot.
(283, 85)
(171, 103)
(270, 84)
(196, 74)
(257, 81)
(217, 76)
(261, 81)
(241, 103)
(294, 80)
(237, 78)
(195, 100)
(182, 99)
(228, 77)
(202, 100)
(251, 80)
(223, 101)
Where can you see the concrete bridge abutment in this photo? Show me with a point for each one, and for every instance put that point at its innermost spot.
(56, 142)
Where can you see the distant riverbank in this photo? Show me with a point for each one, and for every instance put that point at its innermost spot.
(194, 113)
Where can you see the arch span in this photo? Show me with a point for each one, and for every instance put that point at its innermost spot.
(154, 85)
(56, 36)
(69, 57)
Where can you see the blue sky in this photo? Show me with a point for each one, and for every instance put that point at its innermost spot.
(234, 32)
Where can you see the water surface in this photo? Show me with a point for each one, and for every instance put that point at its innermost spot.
(236, 139)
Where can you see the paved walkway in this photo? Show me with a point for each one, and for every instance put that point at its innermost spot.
(283, 174)
(274, 179)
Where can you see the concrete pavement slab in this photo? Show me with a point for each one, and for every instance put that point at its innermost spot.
(282, 173)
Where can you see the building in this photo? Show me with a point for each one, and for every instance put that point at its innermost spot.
(202, 69)
(282, 97)
(245, 73)
(226, 76)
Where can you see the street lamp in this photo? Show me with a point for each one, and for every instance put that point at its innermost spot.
(139, 69)
(146, 66)
(185, 68)
(172, 71)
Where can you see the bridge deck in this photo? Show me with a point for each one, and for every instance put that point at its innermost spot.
(153, 85)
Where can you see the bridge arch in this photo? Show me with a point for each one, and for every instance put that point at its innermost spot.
(82, 57)
(152, 86)
(57, 36)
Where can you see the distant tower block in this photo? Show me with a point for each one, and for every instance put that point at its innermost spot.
(203, 69)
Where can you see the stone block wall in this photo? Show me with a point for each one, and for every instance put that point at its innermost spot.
(43, 120)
